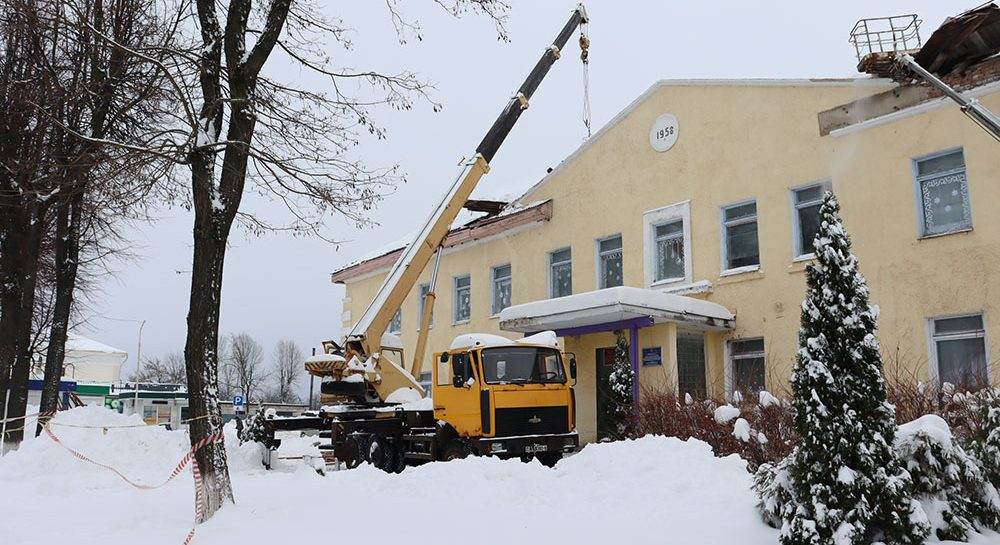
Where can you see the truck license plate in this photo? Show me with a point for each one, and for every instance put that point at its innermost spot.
(536, 448)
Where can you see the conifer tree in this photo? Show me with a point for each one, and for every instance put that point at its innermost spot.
(847, 481)
(620, 381)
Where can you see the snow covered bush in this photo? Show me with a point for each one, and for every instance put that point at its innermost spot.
(758, 428)
(253, 428)
(947, 481)
(985, 440)
(846, 484)
(618, 411)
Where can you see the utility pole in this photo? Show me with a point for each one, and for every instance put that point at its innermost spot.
(138, 365)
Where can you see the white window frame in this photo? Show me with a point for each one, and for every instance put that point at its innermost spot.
(729, 371)
(799, 254)
(397, 330)
(724, 237)
(455, 299)
(493, 286)
(597, 258)
(933, 368)
(551, 266)
(918, 196)
(659, 216)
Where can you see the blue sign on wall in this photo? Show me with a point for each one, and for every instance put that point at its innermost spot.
(652, 356)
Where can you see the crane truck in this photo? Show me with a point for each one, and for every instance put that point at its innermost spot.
(491, 396)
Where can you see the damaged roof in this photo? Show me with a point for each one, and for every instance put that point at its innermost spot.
(962, 41)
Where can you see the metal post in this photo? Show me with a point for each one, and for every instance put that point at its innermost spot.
(633, 339)
(138, 365)
(312, 378)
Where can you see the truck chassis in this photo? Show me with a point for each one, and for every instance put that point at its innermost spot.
(391, 438)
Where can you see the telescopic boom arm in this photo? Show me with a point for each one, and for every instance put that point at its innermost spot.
(364, 338)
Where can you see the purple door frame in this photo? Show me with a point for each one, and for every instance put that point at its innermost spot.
(632, 325)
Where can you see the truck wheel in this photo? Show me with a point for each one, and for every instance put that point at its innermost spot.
(549, 459)
(350, 453)
(400, 461)
(380, 454)
(455, 450)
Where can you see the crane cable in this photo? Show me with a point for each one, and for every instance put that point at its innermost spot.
(584, 56)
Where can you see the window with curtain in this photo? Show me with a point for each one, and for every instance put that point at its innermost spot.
(501, 288)
(463, 298)
(561, 273)
(668, 241)
(609, 262)
(944, 193)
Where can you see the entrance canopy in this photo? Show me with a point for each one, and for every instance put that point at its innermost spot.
(615, 305)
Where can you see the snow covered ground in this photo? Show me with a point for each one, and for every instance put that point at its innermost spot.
(653, 490)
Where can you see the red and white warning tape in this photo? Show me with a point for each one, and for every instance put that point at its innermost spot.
(189, 458)
(15, 418)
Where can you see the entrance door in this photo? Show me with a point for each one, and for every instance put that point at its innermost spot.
(605, 358)
(691, 365)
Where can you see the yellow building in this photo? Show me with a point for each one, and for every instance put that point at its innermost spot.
(700, 198)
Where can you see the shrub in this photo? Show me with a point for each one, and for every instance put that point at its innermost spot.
(948, 482)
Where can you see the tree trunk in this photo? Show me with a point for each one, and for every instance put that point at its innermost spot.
(67, 252)
(20, 263)
(201, 349)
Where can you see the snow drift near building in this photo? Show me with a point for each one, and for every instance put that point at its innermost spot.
(651, 490)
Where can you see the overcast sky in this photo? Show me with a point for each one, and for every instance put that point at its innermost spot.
(278, 286)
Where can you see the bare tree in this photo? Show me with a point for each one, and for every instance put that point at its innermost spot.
(244, 371)
(288, 367)
(63, 90)
(168, 369)
(233, 125)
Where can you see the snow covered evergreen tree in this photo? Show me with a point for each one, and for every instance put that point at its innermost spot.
(847, 483)
(986, 443)
(621, 377)
(946, 480)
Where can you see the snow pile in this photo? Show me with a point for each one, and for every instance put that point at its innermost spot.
(647, 491)
(725, 413)
(947, 481)
(545, 338)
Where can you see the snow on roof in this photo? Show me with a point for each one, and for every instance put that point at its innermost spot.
(79, 343)
(606, 305)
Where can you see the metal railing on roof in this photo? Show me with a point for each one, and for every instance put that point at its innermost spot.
(886, 34)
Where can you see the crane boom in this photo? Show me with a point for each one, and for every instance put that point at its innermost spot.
(410, 265)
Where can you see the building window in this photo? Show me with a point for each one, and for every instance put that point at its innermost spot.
(668, 240)
(806, 202)
(424, 290)
(396, 325)
(425, 381)
(463, 298)
(960, 350)
(739, 235)
(691, 365)
(943, 193)
(609, 262)
(748, 365)
(501, 288)
(667, 244)
(561, 273)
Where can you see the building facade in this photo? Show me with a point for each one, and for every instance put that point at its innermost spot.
(701, 198)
